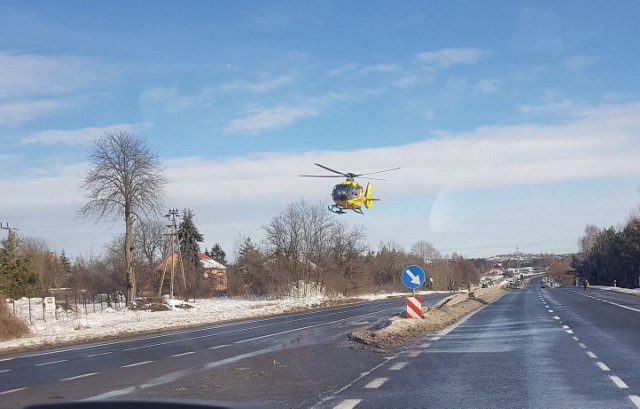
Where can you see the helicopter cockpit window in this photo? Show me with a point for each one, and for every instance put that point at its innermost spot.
(345, 192)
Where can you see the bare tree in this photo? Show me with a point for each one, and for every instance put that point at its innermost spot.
(125, 180)
(425, 251)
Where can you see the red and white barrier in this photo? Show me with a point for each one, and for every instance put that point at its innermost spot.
(414, 307)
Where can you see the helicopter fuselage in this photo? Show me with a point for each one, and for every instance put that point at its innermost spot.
(350, 195)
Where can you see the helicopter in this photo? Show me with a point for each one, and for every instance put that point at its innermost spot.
(349, 195)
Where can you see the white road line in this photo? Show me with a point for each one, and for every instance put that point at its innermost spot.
(575, 338)
(279, 333)
(635, 399)
(555, 317)
(602, 366)
(182, 354)
(218, 346)
(79, 376)
(592, 355)
(565, 326)
(619, 382)
(376, 383)
(435, 338)
(101, 354)
(582, 345)
(50, 363)
(550, 310)
(425, 345)
(348, 404)
(136, 364)
(5, 370)
(414, 354)
(5, 359)
(12, 391)
(398, 366)
(569, 331)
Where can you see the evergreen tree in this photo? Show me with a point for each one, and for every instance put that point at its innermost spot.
(189, 237)
(66, 268)
(18, 277)
(218, 254)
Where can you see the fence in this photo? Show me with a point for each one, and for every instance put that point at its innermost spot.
(67, 306)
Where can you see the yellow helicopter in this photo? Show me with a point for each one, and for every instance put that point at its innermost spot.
(349, 194)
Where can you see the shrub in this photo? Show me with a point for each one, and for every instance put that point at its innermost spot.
(10, 326)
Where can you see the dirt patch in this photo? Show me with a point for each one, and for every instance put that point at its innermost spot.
(10, 326)
(397, 331)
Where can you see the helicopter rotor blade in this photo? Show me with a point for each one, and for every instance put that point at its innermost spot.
(332, 170)
(321, 176)
(379, 171)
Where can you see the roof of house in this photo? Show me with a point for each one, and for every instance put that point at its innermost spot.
(207, 262)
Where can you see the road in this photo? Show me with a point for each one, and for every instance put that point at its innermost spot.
(256, 361)
(532, 348)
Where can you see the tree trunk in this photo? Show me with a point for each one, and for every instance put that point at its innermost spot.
(128, 255)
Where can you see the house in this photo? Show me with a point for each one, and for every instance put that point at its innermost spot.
(214, 271)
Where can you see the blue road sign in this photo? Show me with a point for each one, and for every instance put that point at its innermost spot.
(413, 277)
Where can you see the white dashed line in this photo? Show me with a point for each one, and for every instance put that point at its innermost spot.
(12, 391)
(565, 326)
(414, 354)
(376, 383)
(581, 345)
(575, 339)
(182, 354)
(50, 363)
(555, 317)
(398, 366)
(426, 345)
(550, 310)
(217, 346)
(602, 366)
(569, 331)
(592, 355)
(348, 404)
(79, 376)
(136, 364)
(435, 338)
(635, 399)
(5, 370)
(619, 382)
(94, 355)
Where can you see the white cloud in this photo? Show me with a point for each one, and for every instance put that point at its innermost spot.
(486, 86)
(18, 112)
(342, 69)
(450, 56)
(379, 68)
(260, 119)
(170, 99)
(260, 87)
(577, 64)
(69, 137)
(33, 75)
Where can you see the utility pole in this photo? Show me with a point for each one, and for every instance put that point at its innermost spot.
(5, 226)
(173, 247)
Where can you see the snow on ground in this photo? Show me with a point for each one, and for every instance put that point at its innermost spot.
(632, 291)
(83, 324)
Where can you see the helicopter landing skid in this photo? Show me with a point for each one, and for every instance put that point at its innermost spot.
(341, 210)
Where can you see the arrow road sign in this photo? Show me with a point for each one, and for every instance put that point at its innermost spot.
(413, 277)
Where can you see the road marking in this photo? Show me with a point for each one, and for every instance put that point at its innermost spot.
(5, 370)
(550, 310)
(398, 366)
(565, 326)
(582, 345)
(575, 338)
(619, 382)
(555, 317)
(376, 383)
(592, 355)
(414, 354)
(12, 391)
(435, 338)
(635, 399)
(136, 364)
(426, 345)
(602, 366)
(348, 404)
(569, 331)
(280, 333)
(94, 355)
(50, 363)
(182, 354)
(79, 376)
(218, 346)
(5, 359)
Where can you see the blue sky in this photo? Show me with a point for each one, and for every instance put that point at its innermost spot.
(514, 123)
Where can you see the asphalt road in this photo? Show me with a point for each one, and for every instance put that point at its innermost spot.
(532, 348)
(282, 361)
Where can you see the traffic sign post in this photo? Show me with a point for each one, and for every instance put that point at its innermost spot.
(413, 277)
